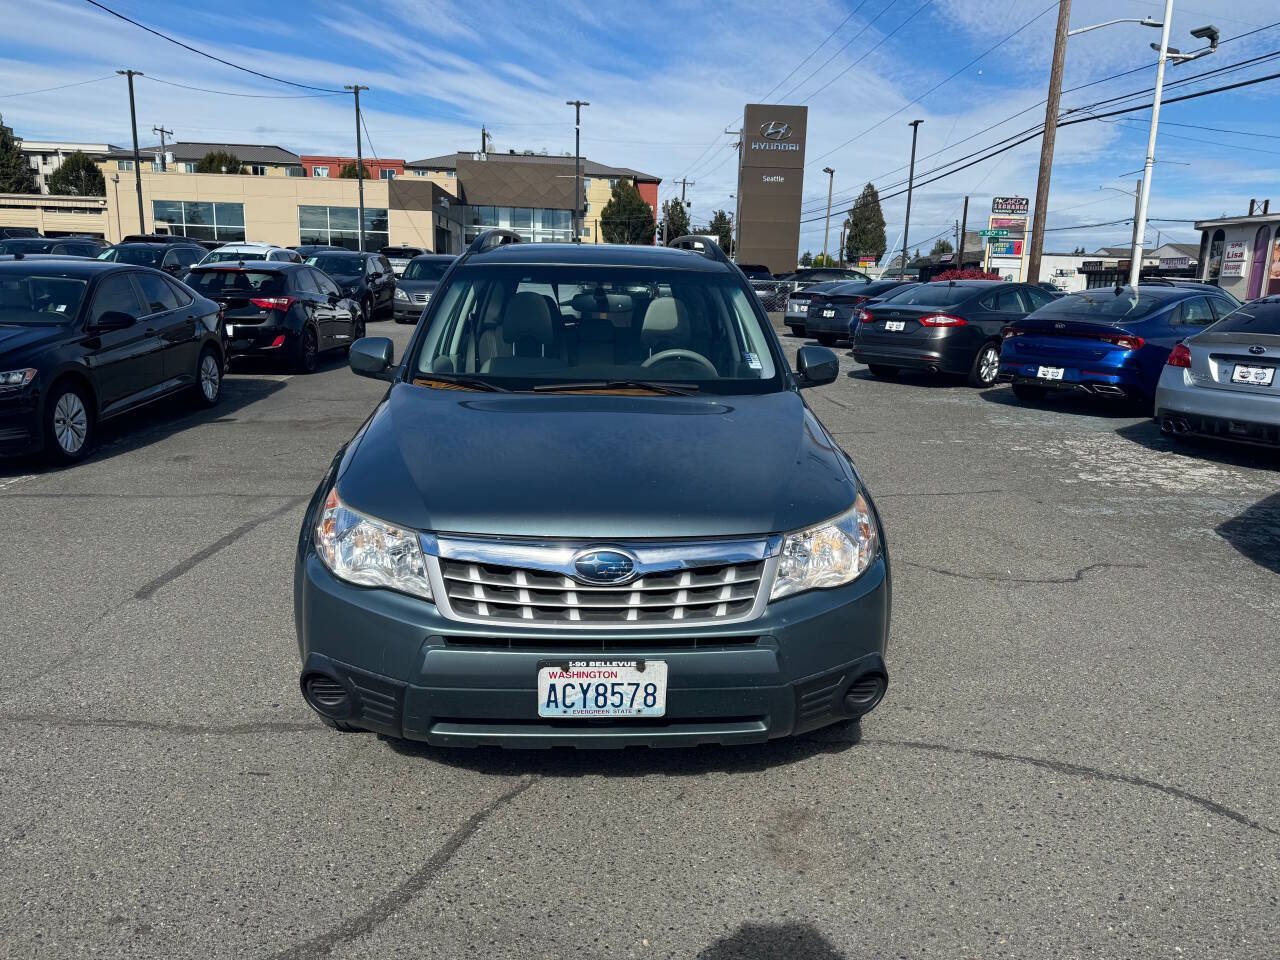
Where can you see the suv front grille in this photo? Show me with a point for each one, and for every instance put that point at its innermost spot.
(707, 594)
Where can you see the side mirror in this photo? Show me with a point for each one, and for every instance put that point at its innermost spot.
(113, 320)
(372, 357)
(816, 366)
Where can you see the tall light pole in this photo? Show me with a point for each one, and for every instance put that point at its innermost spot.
(115, 182)
(137, 160)
(911, 175)
(577, 166)
(826, 232)
(355, 88)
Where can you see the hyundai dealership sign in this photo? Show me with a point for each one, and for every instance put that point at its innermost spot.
(770, 183)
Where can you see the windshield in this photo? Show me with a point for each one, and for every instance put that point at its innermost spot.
(1104, 305)
(39, 299)
(1261, 316)
(246, 283)
(426, 269)
(142, 256)
(522, 327)
(929, 295)
(229, 256)
(338, 265)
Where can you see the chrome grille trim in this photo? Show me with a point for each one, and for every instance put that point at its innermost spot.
(422, 298)
(529, 583)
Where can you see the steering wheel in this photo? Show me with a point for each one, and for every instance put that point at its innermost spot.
(678, 355)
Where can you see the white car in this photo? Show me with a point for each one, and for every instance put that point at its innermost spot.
(251, 251)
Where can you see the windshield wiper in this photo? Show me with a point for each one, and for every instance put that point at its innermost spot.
(463, 380)
(671, 389)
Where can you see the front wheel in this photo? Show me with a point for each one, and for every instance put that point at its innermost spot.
(68, 424)
(986, 366)
(208, 378)
(1029, 392)
(306, 351)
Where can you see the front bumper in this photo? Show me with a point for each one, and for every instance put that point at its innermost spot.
(21, 430)
(408, 312)
(410, 672)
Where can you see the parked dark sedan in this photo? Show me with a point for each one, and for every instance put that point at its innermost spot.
(399, 257)
(796, 315)
(364, 277)
(62, 246)
(417, 284)
(952, 327)
(85, 340)
(833, 312)
(280, 309)
(173, 258)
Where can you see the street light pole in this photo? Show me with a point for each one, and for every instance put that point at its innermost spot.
(1140, 222)
(1047, 141)
(826, 233)
(911, 175)
(137, 160)
(356, 88)
(577, 166)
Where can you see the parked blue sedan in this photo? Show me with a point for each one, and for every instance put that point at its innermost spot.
(1109, 342)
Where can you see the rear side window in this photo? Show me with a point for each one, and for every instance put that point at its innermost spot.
(183, 296)
(1038, 298)
(1194, 312)
(157, 294)
(323, 283)
(929, 295)
(116, 295)
(303, 280)
(1261, 317)
(1005, 301)
(1221, 306)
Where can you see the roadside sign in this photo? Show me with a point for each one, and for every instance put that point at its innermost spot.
(1019, 205)
(993, 233)
(1006, 248)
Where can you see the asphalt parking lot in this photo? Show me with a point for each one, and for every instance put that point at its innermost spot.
(1077, 756)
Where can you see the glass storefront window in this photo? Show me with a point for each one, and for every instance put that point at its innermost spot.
(223, 222)
(340, 227)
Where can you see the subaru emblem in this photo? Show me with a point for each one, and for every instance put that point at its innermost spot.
(604, 566)
(1256, 349)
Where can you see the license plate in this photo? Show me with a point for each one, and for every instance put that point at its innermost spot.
(1050, 373)
(828, 313)
(1258, 376)
(895, 325)
(603, 688)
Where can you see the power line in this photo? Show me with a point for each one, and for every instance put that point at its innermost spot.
(186, 46)
(78, 83)
(254, 96)
(815, 50)
(865, 27)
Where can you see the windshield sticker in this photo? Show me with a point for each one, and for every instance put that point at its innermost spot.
(753, 361)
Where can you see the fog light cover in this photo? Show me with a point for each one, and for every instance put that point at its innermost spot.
(828, 555)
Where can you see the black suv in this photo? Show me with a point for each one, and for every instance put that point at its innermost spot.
(280, 309)
(58, 246)
(84, 340)
(174, 259)
(592, 509)
(366, 278)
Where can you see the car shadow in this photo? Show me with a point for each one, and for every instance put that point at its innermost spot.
(911, 378)
(1073, 403)
(697, 761)
(1256, 533)
(152, 424)
(1147, 433)
(772, 941)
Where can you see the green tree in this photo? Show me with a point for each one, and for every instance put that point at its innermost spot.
(78, 177)
(942, 245)
(16, 175)
(864, 227)
(675, 219)
(824, 260)
(626, 218)
(807, 259)
(349, 172)
(218, 161)
(721, 227)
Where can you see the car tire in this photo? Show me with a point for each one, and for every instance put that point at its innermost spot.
(882, 372)
(68, 424)
(797, 329)
(366, 312)
(828, 339)
(1029, 392)
(306, 350)
(986, 366)
(208, 387)
(357, 330)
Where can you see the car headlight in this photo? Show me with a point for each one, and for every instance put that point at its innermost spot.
(401, 295)
(17, 378)
(828, 555)
(368, 552)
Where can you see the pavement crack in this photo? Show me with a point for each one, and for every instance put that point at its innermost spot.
(1076, 577)
(364, 923)
(937, 493)
(175, 728)
(173, 573)
(1087, 773)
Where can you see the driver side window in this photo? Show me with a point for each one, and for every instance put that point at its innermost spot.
(116, 294)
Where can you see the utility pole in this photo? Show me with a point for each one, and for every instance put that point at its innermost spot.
(1136, 244)
(164, 164)
(911, 175)
(484, 139)
(826, 233)
(964, 225)
(683, 185)
(1144, 195)
(843, 227)
(355, 88)
(137, 160)
(1047, 141)
(737, 208)
(577, 166)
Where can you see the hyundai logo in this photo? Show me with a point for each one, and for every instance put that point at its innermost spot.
(604, 566)
(775, 130)
(1257, 349)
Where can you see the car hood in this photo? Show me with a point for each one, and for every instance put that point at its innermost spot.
(594, 466)
(417, 286)
(18, 341)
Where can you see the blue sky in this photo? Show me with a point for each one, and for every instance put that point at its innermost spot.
(665, 78)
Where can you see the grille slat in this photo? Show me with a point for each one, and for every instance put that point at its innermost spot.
(698, 595)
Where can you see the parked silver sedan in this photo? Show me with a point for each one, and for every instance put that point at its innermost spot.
(1223, 382)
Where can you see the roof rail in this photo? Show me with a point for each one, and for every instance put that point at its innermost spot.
(490, 239)
(700, 243)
